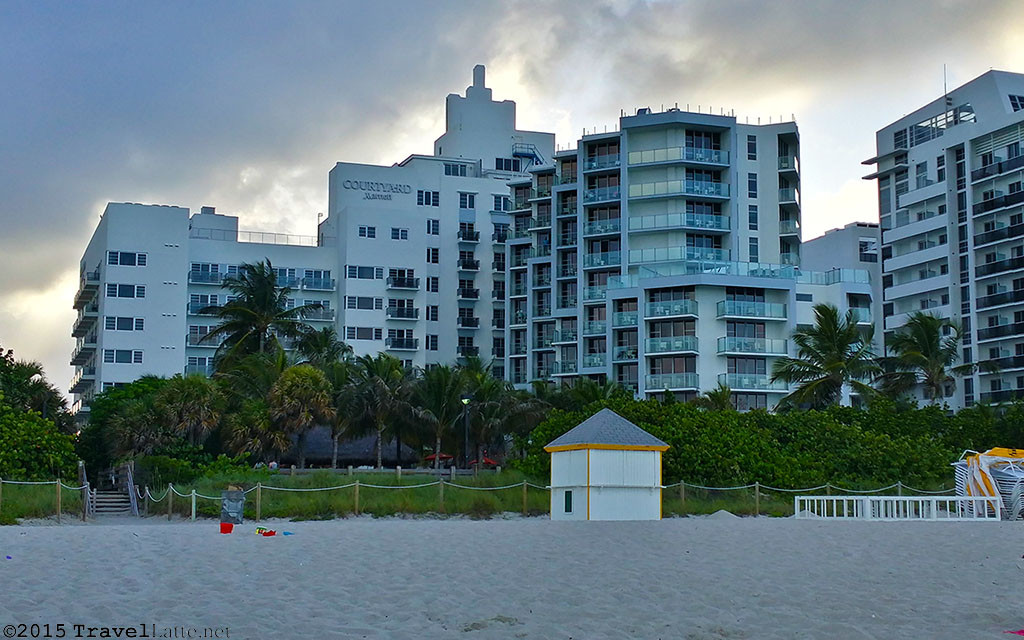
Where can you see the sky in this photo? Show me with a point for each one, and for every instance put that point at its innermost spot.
(246, 105)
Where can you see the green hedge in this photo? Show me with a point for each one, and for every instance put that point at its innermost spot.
(32, 448)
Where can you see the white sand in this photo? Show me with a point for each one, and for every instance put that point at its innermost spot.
(692, 578)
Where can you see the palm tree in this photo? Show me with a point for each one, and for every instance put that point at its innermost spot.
(382, 397)
(341, 376)
(497, 411)
(258, 314)
(581, 392)
(923, 355)
(301, 398)
(137, 427)
(252, 431)
(717, 399)
(253, 376)
(193, 405)
(437, 403)
(322, 348)
(24, 386)
(831, 355)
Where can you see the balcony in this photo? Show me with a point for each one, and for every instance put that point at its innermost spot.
(567, 240)
(540, 192)
(198, 340)
(202, 309)
(205, 277)
(468, 235)
(498, 323)
(518, 289)
(605, 259)
(671, 381)
(666, 221)
(625, 319)
(465, 293)
(564, 336)
(675, 254)
(624, 353)
(521, 201)
(402, 313)
(789, 227)
(671, 309)
(593, 294)
(467, 350)
(1003, 395)
(318, 284)
(595, 327)
(498, 266)
(996, 168)
(540, 251)
(499, 237)
(999, 266)
(629, 384)
(765, 346)
(566, 178)
(670, 344)
(596, 163)
(567, 271)
(521, 233)
(602, 227)
(518, 318)
(467, 322)
(289, 282)
(789, 195)
(87, 288)
(469, 264)
(999, 202)
(1001, 331)
(564, 367)
(542, 341)
(602, 194)
(83, 380)
(758, 310)
(789, 258)
(861, 315)
(85, 350)
(751, 382)
(1003, 233)
(199, 370)
(401, 282)
(541, 222)
(593, 360)
(567, 208)
(789, 164)
(517, 349)
(542, 279)
(567, 302)
(1008, 363)
(669, 155)
(86, 320)
(402, 344)
(498, 294)
(1003, 297)
(668, 188)
(542, 311)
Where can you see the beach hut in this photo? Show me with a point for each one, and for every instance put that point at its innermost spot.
(606, 468)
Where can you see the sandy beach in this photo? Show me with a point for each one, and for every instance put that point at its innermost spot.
(693, 578)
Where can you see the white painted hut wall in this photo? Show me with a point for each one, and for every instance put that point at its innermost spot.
(625, 504)
(569, 473)
(630, 468)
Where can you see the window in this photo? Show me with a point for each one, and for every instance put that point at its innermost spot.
(452, 169)
(568, 501)
(122, 356)
(433, 227)
(428, 198)
(752, 217)
(364, 273)
(751, 147)
(399, 234)
(363, 333)
(118, 323)
(126, 291)
(868, 250)
(432, 312)
(506, 164)
(433, 255)
(805, 297)
(751, 185)
(433, 284)
(899, 139)
(940, 168)
(367, 232)
(502, 203)
(126, 258)
(363, 302)
(753, 250)
(1017, 103)
(431, 342)
(467, 201)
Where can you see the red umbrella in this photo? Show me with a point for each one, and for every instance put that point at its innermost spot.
(486, 461)
(444, 456)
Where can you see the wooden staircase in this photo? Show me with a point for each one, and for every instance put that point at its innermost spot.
(111, 503)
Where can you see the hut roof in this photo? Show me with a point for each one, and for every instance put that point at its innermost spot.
(606, 430)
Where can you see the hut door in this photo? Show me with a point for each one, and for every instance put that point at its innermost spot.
(568, 501)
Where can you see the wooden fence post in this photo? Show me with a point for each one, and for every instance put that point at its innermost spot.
(828, 489)
(757, 498)
(349, 469)
(899, 487)
(440, 494)
(524, 497)
(259, 500)
(356, 500)
(170, 500)
(682, 494)
(193, 505)
(58, 501)
(398, 472)
(85, 501)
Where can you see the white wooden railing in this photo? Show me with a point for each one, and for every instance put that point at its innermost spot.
(897, 507)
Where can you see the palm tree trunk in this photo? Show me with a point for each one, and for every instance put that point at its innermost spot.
(334, 453)
(380, 435)
(398, 449)
(437, 452)
(301, 444)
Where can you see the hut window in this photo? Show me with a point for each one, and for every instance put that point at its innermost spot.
(568, 501)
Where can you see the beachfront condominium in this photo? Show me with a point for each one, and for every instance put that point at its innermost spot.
(666, 256)
(410, 260)
(951, 208)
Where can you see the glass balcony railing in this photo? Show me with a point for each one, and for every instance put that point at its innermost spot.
(320, 314)
(751, 381)
(752, 345)
(789, 227)
(625, 319)
(862, 315)
(567, 271)
(541, 222)
(744, 309)
(606, 259)
(670, 344)
(594, 327)
(202, 308)
(679, 221)
(466, 351)
(518, 318)
(602, 194)
(542, 311)
(518, 289)
(520, 233)
(591, 294)
(601, 162)
(564, 367)
(541, 251)
(292, 282)
(673, 254)
(566, 178)
(789, 258)
(567, 240)
(468, 235)
(671, 381)
(624, 353)
(565, 335)
(468, 322)
(468, 293)
(199, 369)
(788, 163)
(567, 208)
(469, 264)
(403, 313)
(591, 360)
(402, 344)
(789, 194)
(318, 284)
(566, 302)
(599, 227)
(518, 349)
(399, 282)
(205, 277)
(679, 154)
(541, 191)
(499, 237)
(671, 308)
(679, 187)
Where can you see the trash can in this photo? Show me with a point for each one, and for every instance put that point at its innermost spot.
(232, 504)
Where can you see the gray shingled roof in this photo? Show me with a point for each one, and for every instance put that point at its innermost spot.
(607, 427)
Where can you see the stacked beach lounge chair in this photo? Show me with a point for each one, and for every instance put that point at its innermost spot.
(998, 473)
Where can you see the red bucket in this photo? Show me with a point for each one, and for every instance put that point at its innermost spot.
(227, 527)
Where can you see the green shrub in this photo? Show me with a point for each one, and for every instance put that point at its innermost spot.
(31, 448)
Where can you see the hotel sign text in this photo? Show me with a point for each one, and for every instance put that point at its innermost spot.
(376, 190)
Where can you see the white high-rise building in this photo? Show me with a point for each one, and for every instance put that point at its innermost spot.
(953, 236)
(410, 260)
(666, 256)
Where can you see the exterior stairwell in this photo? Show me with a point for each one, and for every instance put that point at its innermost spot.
(111, 503)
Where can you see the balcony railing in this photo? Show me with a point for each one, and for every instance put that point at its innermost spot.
(540, 251)
(567, 302)
(540, 192)
(605, 259)
(540, 222)
(996, 168)
(465, 293)
(465, 235)
(199, 370)
(205, 277)
(674, 254)
(624, 353)
(498, 293)
(469, 264)
(602, 227)
(202, 309)
(999, 266)
(699, 188)
(520, 232)
(670, 344)
(601, 162)
(1001, 330)
(468, 322)
(752, 345)
(789, 227)
(594, 327)
(591, 294)
(602, 194)
(567, 208)
(679, 154)
(291, 282)
(466, 351)
(542, 341)
(671, 308)
(1002, 233)
(789, 194)
(625, 319)
(567, 240)
(671, 381)
(518, 318)
(566, 178)
(517, 349)
(197, 340)
(402, 313)
(542, 311)
(87, 288)
(402, 344)
(750, 381)
(788, 163)
(563, 367)
(567, 271)
(518, 289)
(591, 360)
(679, 220)
(318, 284)
(542, 280)
(399, 282)
(497, 265)
(1003, 297)
(789, 258)
(743, 309)
(861, 315)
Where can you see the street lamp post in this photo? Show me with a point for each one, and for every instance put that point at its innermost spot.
(465, 426)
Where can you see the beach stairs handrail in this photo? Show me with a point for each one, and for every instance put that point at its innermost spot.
(892, 508)
(130, 478)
